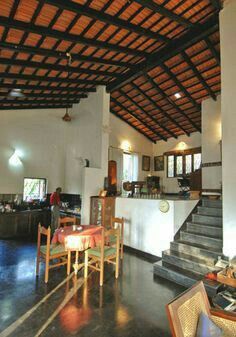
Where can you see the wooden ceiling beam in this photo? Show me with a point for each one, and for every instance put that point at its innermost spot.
(35, 106)
(147, 115)
(60, 55)
(45, 96)
(109, 19)
(156, 105)
(32, 28)
(165, 12)
(143, 133)
(198, 74)
(213, 50)
(153, 118)
(49, 66)
(131, 113)
(159, 90)
(157, 59)
(45, 87)
(50, 79)
(33, 101)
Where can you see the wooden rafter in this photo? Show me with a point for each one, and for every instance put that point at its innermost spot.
(165, 12)
(35, 106)
(101, 16)
(31, 28)
(155, 104)
(198, 74)
(48, 66)
(48, 96)
(38, 101)
(148, 114)
(156, 59)
(213, 50)
(45, 87)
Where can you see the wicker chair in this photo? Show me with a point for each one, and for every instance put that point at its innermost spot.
(183, 313)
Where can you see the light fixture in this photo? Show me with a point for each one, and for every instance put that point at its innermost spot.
(182, 146)
(66, 117)
(177, 95)
(14, 160)
(126, 146)
(16, 93)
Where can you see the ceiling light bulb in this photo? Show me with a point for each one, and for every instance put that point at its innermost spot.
(177, 95)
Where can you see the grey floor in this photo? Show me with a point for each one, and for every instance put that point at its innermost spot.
(132, 306)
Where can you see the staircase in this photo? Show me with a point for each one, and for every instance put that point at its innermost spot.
(196, 251)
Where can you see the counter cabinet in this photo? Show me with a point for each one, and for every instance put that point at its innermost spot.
(23, 224)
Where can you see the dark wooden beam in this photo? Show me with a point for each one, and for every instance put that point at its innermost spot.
(35, 106)
(109, 19)
(61, 55)
(129, 99)
(216, 4)
(42, 101)
(50, 79)
(198, 75)
(147, 114)
(165, 12)
(159, 90)
(49, 66)
(46, 96)
(131, 113)
(157, 59)
(31, 28)
(213, 50)
(45, 87)
(156, 105)
(143, 133)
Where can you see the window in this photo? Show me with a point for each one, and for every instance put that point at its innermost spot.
(34, 189)
(130, 167)
(181, 164)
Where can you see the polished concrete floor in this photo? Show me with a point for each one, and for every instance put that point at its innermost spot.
(132, 306)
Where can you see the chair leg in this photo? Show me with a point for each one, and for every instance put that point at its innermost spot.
(46, 270)
(37, 263)
(68, 262)
(117, 266)
(121, 250)
(101, 272)
(86, 264)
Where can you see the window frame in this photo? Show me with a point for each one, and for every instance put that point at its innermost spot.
(185, 153)
(36, 178)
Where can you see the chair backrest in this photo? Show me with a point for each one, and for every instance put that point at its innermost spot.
(105, 233)
(183, 312)
(67, 220)
(115, 221)
(47, 232)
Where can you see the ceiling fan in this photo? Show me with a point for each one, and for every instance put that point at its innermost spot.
(16, 93)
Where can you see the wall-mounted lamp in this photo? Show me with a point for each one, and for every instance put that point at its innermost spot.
(126, 146)
(15, 160)
(181, 146)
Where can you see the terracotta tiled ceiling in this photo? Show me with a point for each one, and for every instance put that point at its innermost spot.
(158, 58)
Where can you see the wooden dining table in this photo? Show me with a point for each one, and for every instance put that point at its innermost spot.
(77, 239)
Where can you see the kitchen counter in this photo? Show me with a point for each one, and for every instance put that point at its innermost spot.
(23, 223)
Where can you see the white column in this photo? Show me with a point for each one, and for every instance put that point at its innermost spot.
(228, 75)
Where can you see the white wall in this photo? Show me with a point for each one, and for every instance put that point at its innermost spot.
(121, 131)
(211, 136)
(171, 184)
(50, 147)
(228, 109)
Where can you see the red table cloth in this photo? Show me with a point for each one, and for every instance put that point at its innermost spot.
(86, 238)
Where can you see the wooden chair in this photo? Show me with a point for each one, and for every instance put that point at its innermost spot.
(120, 222)
(96, 257)
(183, 313)
(67, 221)
(49, 252)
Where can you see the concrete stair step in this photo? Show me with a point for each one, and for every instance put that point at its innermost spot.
(207, 220)
(211, 231)
(208, 257)
(205, 241)
(186, 262)
(184, 278)
(212, 203)
(209, 211)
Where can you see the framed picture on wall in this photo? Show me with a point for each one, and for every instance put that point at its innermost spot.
(159, 163)
(146, 160)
